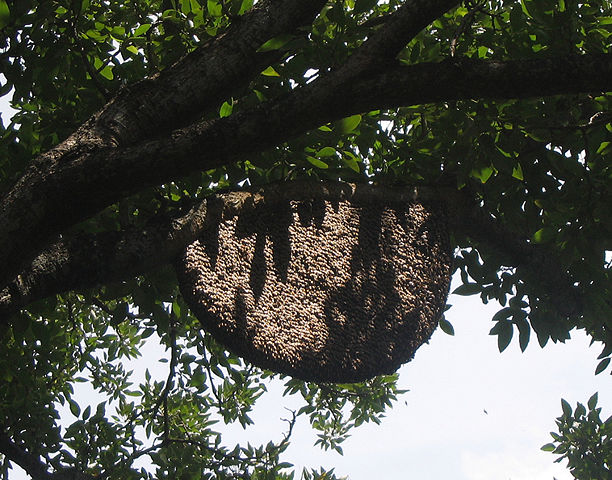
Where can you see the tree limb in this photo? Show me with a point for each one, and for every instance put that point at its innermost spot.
(462, 78)
(32, 465)
(398, 29)
(200, 81)
(87, 261)
(62, 195)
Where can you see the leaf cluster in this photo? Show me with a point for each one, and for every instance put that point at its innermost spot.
(584, 440)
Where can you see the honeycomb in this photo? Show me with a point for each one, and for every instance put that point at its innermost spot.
(326, 282)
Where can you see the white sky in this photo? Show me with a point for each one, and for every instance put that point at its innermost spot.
(439, 429)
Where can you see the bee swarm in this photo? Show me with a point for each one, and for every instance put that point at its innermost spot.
(327, 282)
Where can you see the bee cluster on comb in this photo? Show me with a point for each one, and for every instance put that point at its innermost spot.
(326, 282)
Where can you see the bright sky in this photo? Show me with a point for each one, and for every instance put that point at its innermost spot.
(471, 412)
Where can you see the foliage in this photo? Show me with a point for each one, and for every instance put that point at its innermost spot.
(538, 166)
(584, 440)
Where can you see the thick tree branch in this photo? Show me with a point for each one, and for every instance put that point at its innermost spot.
(60, 197)
(457, 79)
(87, 261)
(198, 82)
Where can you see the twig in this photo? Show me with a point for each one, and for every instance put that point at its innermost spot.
(77, 42)
(31, 463)
(466, 22)
(163, 399)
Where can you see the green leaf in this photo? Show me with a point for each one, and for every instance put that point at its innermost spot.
(214, 8)
(246, 6)
(348, 124)
(96, 35)
(118, 31)
(86, 413)
(604, 148)
(602, 366)
(592, 403)
(544, 235)
(502, 314)
(270, 72)
(604, 20)
(226, 110)
(326, 152)
(351, 163)
(524, 334)
(446, 326)
(316, 162)
(276, 43)
(549, 447)
(176, 309)
(107, 72)
(74, 407)
(527, 6)
(566, 407)
(517, 172)
(144, 28)
(504, 335)
(482, 174)
(5, 14)
(467, 289)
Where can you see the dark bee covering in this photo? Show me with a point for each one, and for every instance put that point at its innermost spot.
(327, 282)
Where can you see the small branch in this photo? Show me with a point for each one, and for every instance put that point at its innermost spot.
(291, 423)
(32, 465)
(163, 398)
(466, 23)
(397, 29)
(213, 387)
(106, 309)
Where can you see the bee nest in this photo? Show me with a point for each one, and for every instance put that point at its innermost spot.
(327, 282)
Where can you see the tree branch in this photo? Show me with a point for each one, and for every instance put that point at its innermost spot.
(459, 79)
(32, 465)
(61, 196)
(398, 29)
(200, 81)
(87, 261)
(84, 261)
